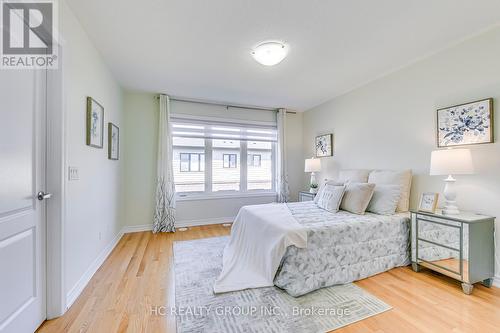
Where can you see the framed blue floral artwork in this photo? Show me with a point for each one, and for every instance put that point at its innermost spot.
(465, 124)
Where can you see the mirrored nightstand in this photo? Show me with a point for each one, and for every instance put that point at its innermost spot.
(306, 196)
(460, 246)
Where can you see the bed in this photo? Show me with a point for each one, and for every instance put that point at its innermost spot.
(301, 247)
(342, 247)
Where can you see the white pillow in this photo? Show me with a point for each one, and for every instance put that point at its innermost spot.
(385, 199)
(331, 196)
(357, 197)
(355, 176)
(390, 177)
(328, 182)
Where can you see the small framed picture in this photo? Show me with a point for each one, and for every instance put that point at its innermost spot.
(113, 142)
(465, 124)
(95, 123)
(324, 145)
(428, 202)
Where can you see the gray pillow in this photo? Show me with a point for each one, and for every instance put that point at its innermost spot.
(329, 182)
(330, 198)
(357, 196)
(385, 199)
(390, 177)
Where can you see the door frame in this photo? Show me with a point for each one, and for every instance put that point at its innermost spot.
(56, 184)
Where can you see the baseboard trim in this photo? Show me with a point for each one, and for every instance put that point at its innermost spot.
(77, 289)
(180, 224)
(196, 223)
(496, 281)
(137, 228)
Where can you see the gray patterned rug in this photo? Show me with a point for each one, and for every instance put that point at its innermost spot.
(198, 263)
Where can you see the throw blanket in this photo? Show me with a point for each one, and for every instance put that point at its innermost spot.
(259, 238)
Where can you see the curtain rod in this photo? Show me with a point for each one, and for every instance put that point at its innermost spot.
(227, 106)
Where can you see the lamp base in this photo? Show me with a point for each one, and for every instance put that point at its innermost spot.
(450, 194)
(313, 178)
(450, 209)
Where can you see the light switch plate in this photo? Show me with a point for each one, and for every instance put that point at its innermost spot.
(73, 173)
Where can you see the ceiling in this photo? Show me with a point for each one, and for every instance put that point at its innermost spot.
(201, 49)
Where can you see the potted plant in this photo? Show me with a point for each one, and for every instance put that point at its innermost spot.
(313, 188)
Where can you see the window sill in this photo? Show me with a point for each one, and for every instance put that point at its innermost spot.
(214, 196)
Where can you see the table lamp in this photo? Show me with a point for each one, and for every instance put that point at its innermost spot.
(313, 165)
(451, 162)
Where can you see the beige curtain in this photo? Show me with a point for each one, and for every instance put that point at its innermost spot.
(164, 218)
(281, 168)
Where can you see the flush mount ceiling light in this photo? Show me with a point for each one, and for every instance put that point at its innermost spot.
(270, 53)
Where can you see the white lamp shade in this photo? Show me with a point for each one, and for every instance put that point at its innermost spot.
(312, 165)
(451, 162)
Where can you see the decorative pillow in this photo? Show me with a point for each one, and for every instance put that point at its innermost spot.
(331, 196)
(329, 182)
(385, 199)
(357, 197)
(355, 176)
(391, 177)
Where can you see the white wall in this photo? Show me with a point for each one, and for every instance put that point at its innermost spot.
(93, 203)
(140, 144)
(295, 155)
(390, 123)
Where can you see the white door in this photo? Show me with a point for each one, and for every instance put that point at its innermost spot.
(22, 215)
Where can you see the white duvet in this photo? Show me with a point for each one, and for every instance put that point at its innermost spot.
(259, 238)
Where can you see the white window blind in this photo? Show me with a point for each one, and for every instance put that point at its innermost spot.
(189, 128)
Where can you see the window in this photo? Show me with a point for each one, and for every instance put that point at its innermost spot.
(226, 171)
(222, 157)
(260, 172)
(189, 164)
(229, 160)
(192, 162)
(254, 160)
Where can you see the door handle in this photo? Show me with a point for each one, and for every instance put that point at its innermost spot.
(42, 195)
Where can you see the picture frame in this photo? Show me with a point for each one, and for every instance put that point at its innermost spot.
(113, 142)
(324, 145)
(428, 202)
(466, 124)
(95, 123)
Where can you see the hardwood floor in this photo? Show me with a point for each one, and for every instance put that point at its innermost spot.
(139, 275)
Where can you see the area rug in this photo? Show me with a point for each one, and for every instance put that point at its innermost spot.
(198, 309)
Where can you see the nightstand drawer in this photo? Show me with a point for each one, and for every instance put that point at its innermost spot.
(443, 257)
(445, 233)
(438, 220)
